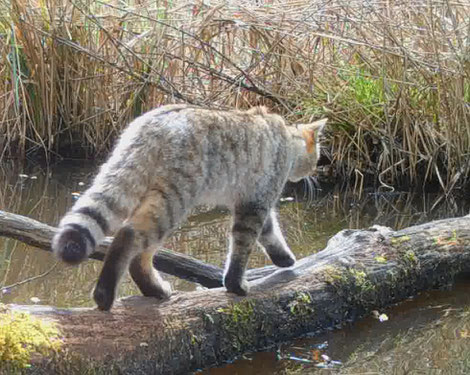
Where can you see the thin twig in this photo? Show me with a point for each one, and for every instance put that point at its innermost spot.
(31, 278)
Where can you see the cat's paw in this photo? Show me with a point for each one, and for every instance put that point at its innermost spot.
(238, 287)
(161, 290)
(283, 260)
(280, 255)
(104, 297)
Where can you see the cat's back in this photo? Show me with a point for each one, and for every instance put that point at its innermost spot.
(179, 118)
(196, 129)
(220, 147)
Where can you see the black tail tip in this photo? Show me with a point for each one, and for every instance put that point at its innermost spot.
(73, 252)
(70, 246)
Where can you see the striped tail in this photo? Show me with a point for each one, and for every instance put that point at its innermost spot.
(92, 217)
(115, 193)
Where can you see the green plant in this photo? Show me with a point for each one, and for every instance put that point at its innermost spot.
(22, 335)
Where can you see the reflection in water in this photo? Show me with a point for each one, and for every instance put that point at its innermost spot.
(45, 195)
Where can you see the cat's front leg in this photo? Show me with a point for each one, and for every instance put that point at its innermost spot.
(248, 222)
(273, 242)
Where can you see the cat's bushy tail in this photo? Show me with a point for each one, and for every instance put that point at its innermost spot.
(115, 193)
(101, 209)
(84, 226)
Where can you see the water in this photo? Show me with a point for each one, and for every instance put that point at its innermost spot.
(415, 330)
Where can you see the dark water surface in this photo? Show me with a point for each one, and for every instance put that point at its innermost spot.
(426, 334)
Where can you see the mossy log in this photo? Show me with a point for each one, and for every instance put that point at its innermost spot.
(359, 271)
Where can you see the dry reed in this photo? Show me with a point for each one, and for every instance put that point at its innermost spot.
(391, 75)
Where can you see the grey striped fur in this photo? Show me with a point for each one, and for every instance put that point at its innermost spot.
(176, 157)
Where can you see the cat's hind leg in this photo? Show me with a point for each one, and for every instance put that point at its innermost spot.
(147, 277)
(248, 222)
(273, 242)
(115, 265)
(133, 249)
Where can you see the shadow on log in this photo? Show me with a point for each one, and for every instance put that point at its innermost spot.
(358, 271)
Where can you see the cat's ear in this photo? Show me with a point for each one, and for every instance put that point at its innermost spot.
(311, 132)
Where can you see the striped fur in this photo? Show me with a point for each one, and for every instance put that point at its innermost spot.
(168, 161)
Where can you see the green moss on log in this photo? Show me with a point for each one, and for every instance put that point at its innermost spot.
(23, 336)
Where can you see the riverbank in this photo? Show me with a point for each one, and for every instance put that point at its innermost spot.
(391, 77)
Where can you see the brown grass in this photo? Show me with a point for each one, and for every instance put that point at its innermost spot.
(391, 75)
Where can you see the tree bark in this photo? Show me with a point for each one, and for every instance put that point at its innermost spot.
(359, 271)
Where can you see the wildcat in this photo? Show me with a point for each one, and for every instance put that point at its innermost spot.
(168, 161)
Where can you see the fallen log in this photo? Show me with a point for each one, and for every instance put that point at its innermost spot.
(37, 234)
(359, 271)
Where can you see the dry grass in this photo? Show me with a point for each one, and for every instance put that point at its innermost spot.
(391, 75)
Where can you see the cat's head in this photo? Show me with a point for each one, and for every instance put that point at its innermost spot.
(307, 140)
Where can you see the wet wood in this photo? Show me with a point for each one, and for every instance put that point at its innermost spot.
(37, 234)
(359, 271)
